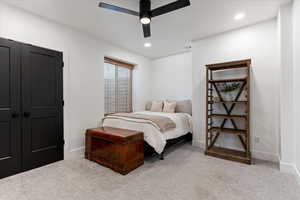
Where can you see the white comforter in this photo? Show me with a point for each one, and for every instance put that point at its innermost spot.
(152, 135)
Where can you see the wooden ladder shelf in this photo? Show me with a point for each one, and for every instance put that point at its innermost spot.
(213, 131)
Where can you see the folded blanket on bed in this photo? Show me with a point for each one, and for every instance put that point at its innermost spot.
(160, 122)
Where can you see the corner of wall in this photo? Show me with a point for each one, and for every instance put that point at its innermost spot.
(298, 175)
(291, 169)
(75, 153)
(199, 144)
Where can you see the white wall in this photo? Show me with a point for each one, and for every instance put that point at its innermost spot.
(285, 27)
(83, 72)
(260, 43)
(289, 21)
(172, 77)
(296, 80)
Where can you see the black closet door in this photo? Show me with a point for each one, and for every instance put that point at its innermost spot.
(10, 130)
(42, 106)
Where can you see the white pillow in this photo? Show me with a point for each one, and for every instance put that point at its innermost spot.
(156, 106)
(169, 106)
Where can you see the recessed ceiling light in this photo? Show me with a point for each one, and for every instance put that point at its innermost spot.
(239, 16)
(147, 44)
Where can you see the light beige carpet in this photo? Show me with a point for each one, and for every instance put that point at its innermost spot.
(185, 174)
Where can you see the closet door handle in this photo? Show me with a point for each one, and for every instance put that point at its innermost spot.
(26, 114)
(15, 115)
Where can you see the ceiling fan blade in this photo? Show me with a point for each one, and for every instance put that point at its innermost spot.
(146, 30)
(170, 7)
(118, 9)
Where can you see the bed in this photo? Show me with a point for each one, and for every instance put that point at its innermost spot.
(152, 135)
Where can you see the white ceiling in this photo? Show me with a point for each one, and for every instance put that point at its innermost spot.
(170, 32)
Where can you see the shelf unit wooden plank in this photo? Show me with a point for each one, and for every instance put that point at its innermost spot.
(229, 65)
(229, 154)
(224, 68)
(228, 130)
(215, 102)
(228, 80)
(229, 116)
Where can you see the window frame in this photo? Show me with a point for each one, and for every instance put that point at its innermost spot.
(125, 65)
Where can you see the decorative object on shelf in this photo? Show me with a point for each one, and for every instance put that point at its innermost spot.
(230, 92)
(216, 99)
(228, 96)
(228, 87)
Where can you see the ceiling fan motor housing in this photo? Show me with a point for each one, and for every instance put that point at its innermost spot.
(145, 9)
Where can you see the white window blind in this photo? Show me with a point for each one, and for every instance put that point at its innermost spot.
(118, 86)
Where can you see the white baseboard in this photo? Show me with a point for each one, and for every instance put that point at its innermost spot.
(79, 152)
(297, 175)
(291, 169)
(75, 153)
(198, 144)
(265, 156)
(255, 154)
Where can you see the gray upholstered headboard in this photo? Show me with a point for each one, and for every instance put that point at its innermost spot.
(183, 106)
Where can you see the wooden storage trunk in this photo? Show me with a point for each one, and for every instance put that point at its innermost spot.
(119, 149)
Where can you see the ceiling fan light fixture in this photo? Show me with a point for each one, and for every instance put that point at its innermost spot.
(145, 20)
(146, 13)
(239, 16)
(147, 44)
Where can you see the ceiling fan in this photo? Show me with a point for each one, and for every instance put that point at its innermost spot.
(146, 13)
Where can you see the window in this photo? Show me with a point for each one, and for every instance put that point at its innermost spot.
(117, 86)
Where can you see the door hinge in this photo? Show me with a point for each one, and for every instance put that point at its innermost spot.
(63, 64)
(63, 103)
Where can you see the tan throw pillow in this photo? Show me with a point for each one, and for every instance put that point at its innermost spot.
(169, 107)
(157, 106)
(184, 106)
